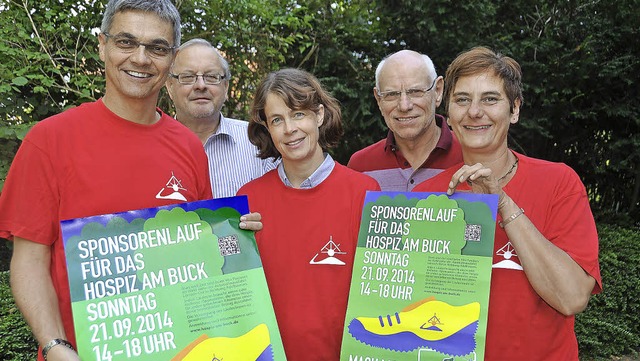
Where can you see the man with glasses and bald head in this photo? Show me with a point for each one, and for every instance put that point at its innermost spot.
(419, 143)
(115, 154)
(198, 85)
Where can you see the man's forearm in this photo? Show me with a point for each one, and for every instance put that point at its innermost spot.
(33, 290)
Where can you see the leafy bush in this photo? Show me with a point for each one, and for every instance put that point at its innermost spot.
(611, 323)
(16, 341)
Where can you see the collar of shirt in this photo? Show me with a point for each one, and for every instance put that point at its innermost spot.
(224, 129)
(314, 179)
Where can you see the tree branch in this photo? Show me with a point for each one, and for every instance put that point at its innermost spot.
(25, 5)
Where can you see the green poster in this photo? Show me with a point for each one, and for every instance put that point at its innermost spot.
(180, 282)
(421, 277)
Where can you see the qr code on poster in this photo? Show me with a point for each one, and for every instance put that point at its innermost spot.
(229, 245)
(473, 232)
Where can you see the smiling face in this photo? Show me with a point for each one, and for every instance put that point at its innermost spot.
(294, 133)
(479, 114)
(198, 100)
(135, 75)
(410, 119)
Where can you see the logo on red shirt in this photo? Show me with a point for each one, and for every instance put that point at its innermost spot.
(331, 250)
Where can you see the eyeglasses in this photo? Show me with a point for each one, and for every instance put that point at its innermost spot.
(189, 79)
(128, 45)
(413, 93)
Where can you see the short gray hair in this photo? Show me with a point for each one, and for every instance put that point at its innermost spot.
(163, 8)
(203, 42)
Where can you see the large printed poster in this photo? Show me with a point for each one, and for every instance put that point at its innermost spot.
(421, 277)
(180, 282)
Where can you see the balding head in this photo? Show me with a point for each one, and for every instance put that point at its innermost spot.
(403, 57)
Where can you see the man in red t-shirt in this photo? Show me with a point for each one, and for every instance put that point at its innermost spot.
(112, 155)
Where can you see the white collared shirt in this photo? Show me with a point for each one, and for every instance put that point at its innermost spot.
(233, 160)
(317, 177)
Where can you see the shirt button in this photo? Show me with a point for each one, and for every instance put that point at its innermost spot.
(411, 181)
(406, 163)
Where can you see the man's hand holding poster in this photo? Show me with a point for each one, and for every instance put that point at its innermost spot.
(180, 282)
(421, 277)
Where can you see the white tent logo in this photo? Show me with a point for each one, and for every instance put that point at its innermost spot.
(175, 186)
(330, 250)
(507, 252)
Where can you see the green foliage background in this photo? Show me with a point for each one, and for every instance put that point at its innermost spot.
(16, 342)
(611, 323)
(580, 60)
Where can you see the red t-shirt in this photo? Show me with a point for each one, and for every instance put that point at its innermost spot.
(307, 248)
(88, 161)
(521, 325)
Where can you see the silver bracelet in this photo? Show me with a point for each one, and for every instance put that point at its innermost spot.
(51, 344)
(511, 218)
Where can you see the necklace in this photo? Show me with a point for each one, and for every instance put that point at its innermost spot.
(513, 166)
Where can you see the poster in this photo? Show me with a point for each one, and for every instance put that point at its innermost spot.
(180, 282)
(421, 277)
